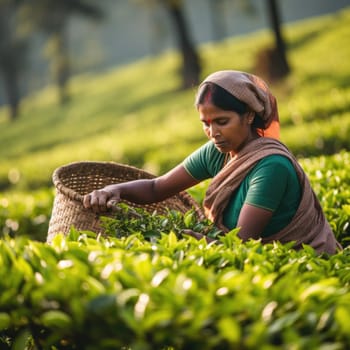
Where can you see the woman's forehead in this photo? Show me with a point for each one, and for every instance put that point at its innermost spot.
(210, 112)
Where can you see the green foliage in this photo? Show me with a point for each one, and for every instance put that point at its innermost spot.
(23, 213)
(108, 112)
(330, 178)
(127, 220)
(171, 293)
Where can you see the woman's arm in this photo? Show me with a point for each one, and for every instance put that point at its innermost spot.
(141, 191)
(252, 221)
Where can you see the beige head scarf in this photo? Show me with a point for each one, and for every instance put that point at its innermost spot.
(253, 91)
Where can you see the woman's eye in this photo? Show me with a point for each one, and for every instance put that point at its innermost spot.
(221, 121)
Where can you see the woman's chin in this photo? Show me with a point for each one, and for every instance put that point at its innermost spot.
(223, 148)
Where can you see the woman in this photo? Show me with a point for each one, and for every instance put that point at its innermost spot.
(257, 184)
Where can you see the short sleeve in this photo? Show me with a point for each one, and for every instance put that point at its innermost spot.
(205, 162)
(268, 182)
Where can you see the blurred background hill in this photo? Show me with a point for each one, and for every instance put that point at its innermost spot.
(137, 113)
(120, 31)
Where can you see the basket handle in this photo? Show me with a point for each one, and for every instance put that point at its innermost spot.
(70, 193)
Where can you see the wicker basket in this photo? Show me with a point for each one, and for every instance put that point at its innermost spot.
(74, 180)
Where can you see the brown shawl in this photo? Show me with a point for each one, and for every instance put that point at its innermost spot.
(308, 226)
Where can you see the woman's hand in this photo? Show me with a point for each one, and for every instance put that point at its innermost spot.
(101, 200)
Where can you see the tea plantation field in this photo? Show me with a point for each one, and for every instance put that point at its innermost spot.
(149, 285)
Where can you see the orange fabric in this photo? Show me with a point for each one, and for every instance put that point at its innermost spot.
(272, 131)
(273, 124)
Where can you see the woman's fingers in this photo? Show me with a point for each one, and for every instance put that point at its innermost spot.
(112, 203)
(86, 200)
(98, 200)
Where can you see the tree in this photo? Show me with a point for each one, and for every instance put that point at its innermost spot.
(273, 61)
(51, 17)
(12, 53)
(281, 66)
(48, 16)
(191, 67)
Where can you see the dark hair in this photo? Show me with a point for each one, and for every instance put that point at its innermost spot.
(218, 96)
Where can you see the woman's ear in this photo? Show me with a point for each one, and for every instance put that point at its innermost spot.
(250, 117)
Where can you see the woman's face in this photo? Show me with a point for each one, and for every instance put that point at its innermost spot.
(227, 129)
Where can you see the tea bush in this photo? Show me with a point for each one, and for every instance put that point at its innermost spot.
(330, 179)
(170, 291)
(23, 213)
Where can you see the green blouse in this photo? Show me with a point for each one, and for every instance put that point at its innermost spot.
(272, 184)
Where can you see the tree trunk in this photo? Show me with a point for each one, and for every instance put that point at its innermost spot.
(58, 55)
(278, 56)
(63, 69)
(11, 89)
(190, 59)
(10, 51)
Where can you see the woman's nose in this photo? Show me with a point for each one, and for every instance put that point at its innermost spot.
(212, 131)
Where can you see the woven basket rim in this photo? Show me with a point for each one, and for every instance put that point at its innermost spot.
(185, 197)
(77, 196)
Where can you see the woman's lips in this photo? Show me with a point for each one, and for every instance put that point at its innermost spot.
(220, 144)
